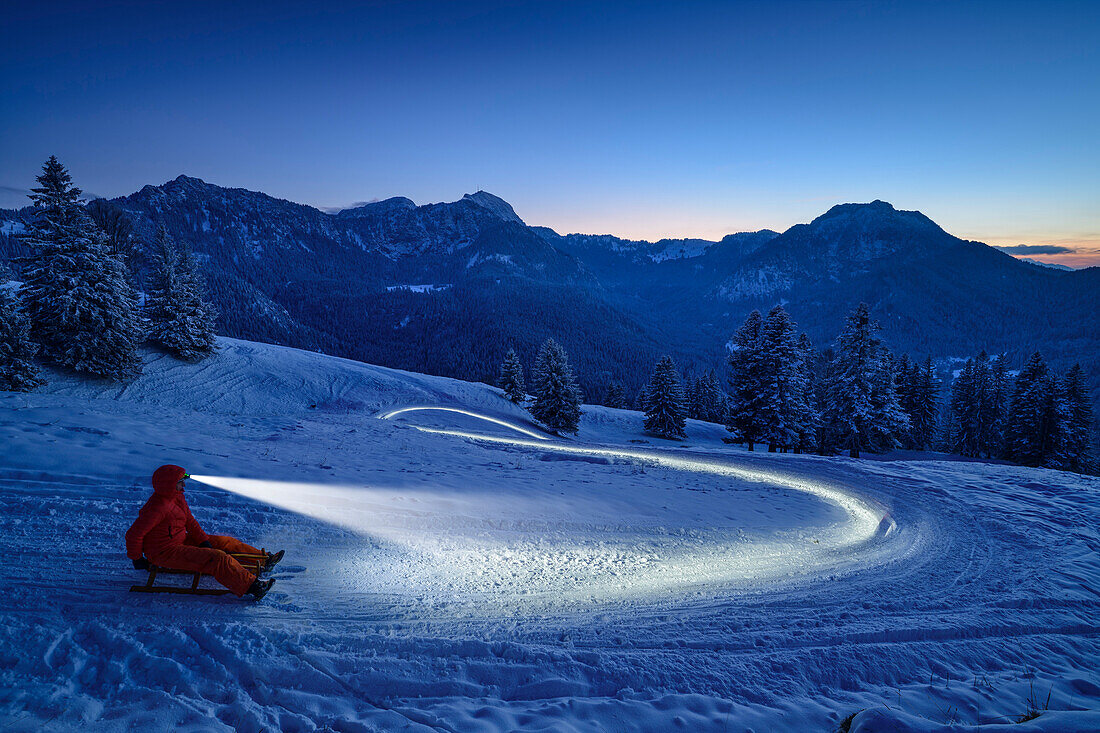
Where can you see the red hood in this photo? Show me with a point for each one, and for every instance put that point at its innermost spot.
(165, 479)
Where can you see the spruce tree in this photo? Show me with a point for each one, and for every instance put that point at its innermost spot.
(999, 406)
(82, 309)
(1079, 420)
(18, 371)
(925, 406)
(783, 408)
(1057, 442)
(1028, 413)
(557, 403)
(862, 408)
(905, 375)
(962, 437)
(119, 229)
(695, 408)
(665, 413)
(180, 320)
(747, 396)
(810, 420)
(712, 402)
(511, 377)
(889, 422)
(616, 395)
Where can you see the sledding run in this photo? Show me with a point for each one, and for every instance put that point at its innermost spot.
(166, 539)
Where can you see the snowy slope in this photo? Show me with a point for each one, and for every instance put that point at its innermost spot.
(435, 581)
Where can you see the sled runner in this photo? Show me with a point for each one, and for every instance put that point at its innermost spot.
(251, 562)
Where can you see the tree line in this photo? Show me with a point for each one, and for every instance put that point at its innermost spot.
(81, 305)
(854, 396)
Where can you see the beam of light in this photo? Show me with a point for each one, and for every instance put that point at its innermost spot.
(490, 552)
(503, 423)
(867, 518)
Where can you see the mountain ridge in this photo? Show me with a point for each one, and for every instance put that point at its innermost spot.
(296, 275)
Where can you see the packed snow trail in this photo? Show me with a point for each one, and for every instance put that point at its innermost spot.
(986, 593)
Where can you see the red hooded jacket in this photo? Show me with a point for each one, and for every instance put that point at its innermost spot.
(165, 520)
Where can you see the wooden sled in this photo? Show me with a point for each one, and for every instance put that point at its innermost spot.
(251, 562)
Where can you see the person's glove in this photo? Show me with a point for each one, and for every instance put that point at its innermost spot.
(141, 564)
(206, 544)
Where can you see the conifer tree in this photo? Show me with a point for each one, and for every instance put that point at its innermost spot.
(746, 399)
(511, 377)
(999, 406)
(81, 307)
(925, 406)
(1027, 439)
(557, 402)
(889, 422)
(810, 420)
(665, 413)
(783, 408)
(119, 229)
(1079, 420)
(862, 407)
(695, 408)
(616, 395)
(18, 371)
(1056, 449)
(905, 375)
(712, 402)
(962, 438)
(180, 320)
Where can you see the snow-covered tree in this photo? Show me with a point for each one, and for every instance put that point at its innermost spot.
(18, 371)
(511, 377)
(616, 395)
(746, 399)
(711, 399)
(665, 412)
(862, 407)
(925, 389)
(963, 425)
(998, 406)
(180, 320)
(890, 422)
(1079, 423)
(557, 403)
(784, 413)
(82, 309)
(693, 392)
(1038, 418)
(810, 420)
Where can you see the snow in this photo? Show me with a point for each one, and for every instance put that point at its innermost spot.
(461, 569)
(677, 249)
(426, 288)
(11, 227)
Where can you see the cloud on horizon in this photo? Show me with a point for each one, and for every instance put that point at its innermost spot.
(1036, 249)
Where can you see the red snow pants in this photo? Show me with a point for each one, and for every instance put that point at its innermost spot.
(211, 561)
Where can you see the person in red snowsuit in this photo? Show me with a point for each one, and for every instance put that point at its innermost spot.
(167, 534)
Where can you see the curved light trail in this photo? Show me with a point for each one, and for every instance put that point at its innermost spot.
(465, 548)
(503, 423)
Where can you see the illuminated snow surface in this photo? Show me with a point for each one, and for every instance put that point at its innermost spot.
(452, 567)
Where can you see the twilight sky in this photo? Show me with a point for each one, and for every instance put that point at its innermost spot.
(637, 119)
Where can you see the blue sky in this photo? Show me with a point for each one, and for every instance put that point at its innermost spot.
(637, 119)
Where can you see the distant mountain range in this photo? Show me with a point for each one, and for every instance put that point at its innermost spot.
(447, 288)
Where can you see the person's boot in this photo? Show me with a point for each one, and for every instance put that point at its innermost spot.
(259, 588)
(273, 560)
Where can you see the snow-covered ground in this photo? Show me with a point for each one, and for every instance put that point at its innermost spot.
(515, 580)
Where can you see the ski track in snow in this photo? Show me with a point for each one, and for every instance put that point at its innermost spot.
(441, 582)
